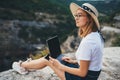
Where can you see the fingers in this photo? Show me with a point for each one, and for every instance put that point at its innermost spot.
(65, 58)
(51, 60)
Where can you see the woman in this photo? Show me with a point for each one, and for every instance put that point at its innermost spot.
(88, 63)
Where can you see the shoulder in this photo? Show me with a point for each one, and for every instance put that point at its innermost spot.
(91, 38)
(90, 41)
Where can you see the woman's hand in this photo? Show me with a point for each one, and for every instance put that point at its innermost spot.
(69, 60)
(55, 63)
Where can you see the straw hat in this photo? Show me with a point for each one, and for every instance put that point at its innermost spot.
(90, 9)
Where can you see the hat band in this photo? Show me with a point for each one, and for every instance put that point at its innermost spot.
(87, 9)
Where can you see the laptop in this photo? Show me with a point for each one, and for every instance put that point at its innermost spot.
(54, 48)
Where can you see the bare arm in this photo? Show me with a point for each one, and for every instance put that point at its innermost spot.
(81, 71)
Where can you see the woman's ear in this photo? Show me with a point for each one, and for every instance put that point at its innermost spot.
(90, 19)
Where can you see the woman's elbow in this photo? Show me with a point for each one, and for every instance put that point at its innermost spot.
(83, 74)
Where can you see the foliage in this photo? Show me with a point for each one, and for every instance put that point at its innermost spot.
(24, 9)
(39, 54)
(107, 19)
(15, 14)
(116, 42)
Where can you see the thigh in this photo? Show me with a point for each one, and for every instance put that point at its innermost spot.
(93, 75)
(71, 76)
(67, 75)
(59, 58)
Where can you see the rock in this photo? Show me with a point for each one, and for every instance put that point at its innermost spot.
(109, 29)
(110, 70)
(111, 64)
(43, 74)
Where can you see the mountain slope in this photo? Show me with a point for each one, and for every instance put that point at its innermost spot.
(13, 9)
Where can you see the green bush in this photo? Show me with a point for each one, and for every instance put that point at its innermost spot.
(116, 42)
(25, 9)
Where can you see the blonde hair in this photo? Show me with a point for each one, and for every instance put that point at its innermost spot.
(91, 27)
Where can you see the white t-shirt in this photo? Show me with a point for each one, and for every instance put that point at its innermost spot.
(91, 49)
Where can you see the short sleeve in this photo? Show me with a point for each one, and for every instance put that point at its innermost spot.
(85, 51)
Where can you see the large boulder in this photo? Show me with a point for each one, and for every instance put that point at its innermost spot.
(43, 74)
(110, 70)
(111, 64)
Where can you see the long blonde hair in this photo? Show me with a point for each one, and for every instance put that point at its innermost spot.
(91, 27)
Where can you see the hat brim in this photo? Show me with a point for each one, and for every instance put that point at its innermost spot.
(74, 7)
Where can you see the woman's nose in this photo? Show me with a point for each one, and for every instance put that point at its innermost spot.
(76, 18)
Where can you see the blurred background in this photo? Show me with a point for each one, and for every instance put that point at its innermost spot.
(25, 25)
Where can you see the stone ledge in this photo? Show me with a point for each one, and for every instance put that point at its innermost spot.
(110, 70)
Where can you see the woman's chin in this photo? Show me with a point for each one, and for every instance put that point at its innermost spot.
(78, 26)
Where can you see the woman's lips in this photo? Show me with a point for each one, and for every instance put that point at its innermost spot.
(77, 22)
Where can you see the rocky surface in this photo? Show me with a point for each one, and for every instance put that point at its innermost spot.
(111, 64)
(108, 29)
(110, 71)
(43, 74)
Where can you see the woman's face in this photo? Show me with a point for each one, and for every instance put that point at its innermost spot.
(81, 18)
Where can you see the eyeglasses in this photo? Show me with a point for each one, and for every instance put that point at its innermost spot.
(78, 15)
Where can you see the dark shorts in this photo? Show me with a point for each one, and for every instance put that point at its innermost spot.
(91, 75)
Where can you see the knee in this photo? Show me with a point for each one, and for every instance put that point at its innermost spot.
(45, 61)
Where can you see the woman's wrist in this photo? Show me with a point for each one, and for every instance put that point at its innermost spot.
(62, 67)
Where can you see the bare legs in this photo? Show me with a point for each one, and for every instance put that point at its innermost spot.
(41, 63)
(35, 64)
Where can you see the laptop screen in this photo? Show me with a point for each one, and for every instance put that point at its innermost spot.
(54, 46)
